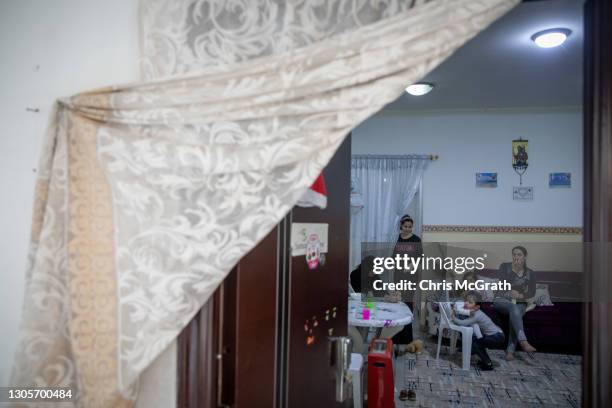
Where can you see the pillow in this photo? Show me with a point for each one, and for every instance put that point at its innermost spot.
(489, 294)
(542, 296)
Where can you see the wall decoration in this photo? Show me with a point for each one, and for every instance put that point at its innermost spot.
(304, 233)
(310, 325)
(560, 180)
(487, 180)
(310, 338)
(313, 251)
(522, 193)
(520, 157)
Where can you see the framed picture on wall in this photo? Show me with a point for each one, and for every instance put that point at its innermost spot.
(560, 180)
(486, 180)
(522, 193)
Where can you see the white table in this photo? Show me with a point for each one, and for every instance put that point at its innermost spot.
(384, 314)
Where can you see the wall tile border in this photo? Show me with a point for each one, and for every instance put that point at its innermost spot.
(502, 229)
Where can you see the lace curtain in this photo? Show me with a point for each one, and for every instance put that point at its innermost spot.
(149, 193)
(179, 37)
(388, 185)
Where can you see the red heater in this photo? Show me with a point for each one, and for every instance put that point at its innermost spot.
(380, 374)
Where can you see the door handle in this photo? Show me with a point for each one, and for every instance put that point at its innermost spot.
(340, 349)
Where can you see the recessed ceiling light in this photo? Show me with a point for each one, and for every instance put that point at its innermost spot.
(420, 88)
(551, 38)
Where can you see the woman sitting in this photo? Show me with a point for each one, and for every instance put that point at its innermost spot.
(513, 303)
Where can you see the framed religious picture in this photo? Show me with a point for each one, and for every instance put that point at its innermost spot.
(520, 157)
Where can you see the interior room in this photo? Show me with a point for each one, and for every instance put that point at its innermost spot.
(498, 88)
(188, 183)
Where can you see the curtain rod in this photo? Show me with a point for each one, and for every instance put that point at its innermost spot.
(432, 157)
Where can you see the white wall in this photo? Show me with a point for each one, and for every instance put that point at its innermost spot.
(49, 49)
(470, 142)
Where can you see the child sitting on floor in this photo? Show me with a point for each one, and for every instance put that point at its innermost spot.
(491, 334)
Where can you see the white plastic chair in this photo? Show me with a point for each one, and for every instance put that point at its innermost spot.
(466, 334)
(356, 375)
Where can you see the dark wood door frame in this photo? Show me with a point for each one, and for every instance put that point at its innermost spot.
(197, 349)
(597, 327)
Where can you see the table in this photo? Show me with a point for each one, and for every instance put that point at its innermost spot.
(385, 314)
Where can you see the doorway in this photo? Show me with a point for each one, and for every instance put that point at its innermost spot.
(495, 100)
(198, 375)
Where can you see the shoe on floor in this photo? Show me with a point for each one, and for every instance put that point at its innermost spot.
(485, 367)
(411, 395)
(407, 395)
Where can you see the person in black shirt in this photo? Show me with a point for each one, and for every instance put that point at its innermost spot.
(406, 235)
(363, 277)
(407, 243)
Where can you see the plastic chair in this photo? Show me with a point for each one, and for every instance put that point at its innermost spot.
(466, 335)
(356, 374)
(359, 339)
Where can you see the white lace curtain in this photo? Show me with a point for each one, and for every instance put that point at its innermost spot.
(388, 184)
(149, 193)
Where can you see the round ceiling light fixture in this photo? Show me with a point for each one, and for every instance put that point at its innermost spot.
(420, 88)
(553, 37)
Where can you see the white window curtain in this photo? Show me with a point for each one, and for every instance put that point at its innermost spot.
(149, 193)
(388, 185)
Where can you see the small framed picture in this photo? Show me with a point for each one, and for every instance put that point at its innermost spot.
(560, 180)
(486, 180)
(522, 193)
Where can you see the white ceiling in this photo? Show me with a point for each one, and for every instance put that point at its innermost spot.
(503, 68)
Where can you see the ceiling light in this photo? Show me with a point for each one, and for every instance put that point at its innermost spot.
(551, 38)
(420, 88)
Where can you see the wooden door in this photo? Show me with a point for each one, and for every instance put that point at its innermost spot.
(227, 353)
(318, 298)
(256, 343)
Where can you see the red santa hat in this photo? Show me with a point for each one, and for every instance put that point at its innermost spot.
(316, 195)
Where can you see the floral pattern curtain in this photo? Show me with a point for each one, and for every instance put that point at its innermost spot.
(149, 193)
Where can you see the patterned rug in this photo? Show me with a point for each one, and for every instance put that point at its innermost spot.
(531, 380)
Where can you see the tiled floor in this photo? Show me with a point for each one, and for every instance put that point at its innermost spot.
(532, 380)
